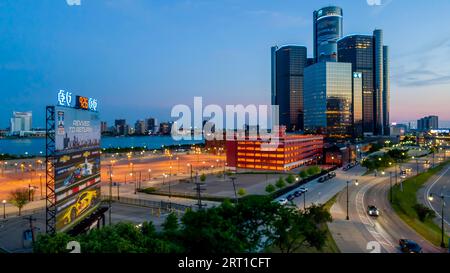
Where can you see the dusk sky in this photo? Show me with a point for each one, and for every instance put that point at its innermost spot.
(141, 57)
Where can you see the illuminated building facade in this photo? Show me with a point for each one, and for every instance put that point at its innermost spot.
(290, 152)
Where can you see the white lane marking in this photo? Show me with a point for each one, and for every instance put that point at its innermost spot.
(427, 193)
(373, 228)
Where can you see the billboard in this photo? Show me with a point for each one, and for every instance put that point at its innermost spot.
(76, 164)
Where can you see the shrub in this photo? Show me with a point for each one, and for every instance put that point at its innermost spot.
(242, 192)
(148, 190)
(424, 212)
(203, 177)
(270, 188)
(290, 179)
(303, 174)
(280, 183)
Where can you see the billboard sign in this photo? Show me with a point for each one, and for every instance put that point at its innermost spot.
(76, 159)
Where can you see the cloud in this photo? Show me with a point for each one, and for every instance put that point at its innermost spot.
(424, 66)
(279, 19)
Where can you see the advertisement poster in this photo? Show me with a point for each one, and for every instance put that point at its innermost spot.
(77, 165)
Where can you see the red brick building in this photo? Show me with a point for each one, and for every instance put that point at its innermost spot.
(285, 152)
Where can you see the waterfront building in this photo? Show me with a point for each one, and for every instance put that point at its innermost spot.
(426, 124)
(21, 122)
(290, 151)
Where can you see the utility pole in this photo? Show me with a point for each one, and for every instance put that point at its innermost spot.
(199, 189)
(31, 219)
(233, 178)
(110, 192)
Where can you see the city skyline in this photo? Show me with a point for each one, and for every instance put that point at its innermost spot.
(43, 55)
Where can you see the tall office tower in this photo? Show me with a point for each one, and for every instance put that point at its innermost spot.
(328, 29)
(151, 124)
(140, 127)
(328, 99)
(428, 123)
(21, 122)
(386, 91)
(288, 64)
(121, 127)
(357, 109)
(358, 50)
(378, 81)
(103, 127)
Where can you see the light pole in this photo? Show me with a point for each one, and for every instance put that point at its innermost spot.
(442, 196)
(356, 184)
(40, 184)
(110, 191)
(304, 199)
(390, 186)
(233, 178)
(4, 209)
(149, 174)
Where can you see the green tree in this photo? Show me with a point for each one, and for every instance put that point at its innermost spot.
(203, 177)
(19, 198)
(303, 174)
(290, 179)
(241, 192)
(280, 183)
(52, 243)
(423, 212)
(170, 225)
(270, 188)
(294, 229)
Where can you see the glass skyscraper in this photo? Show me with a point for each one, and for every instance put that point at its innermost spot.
(328, 29)
(328, 99)
(288, 63)
(368, 56)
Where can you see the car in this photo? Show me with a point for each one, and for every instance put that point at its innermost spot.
(409, 246)
(290, 197)
(403, 174)
(83, 202)
(298, 193)
(322, 179)
(283, 201)
(332, 175)
(303, 189)
(373, 211)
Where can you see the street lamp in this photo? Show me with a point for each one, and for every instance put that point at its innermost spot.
(40, 183)
(149, 174)
(442, 196)
(4, 209)
(356, 184)
(390, 186)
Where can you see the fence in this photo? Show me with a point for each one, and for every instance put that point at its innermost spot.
(161, 205)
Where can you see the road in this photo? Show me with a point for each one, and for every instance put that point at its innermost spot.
(439, 185)
(362, 232)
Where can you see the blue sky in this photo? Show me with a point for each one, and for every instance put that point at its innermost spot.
(141, 57)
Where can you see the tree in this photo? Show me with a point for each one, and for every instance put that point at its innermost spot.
(303, 174)
(52, 243)
(290, 179)
(171, 225)
(242, 192)
(203, 177)
(19, 198)
(423, 212)
(280, 183)
(294, 229)
(270, 188)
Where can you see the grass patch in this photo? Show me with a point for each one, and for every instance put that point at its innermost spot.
(404, 202)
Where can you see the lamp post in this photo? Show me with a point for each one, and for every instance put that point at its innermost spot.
(304, 199)
(4, 209)
(442, 196)
(390, 186)
(233, 178)
(110, 191)
(40, 184)
(149, 174)
(356, 184)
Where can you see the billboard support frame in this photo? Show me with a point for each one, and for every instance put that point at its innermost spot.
(50, 195)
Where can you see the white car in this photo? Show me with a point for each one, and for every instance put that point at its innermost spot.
(283, 201)
(303, 189)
